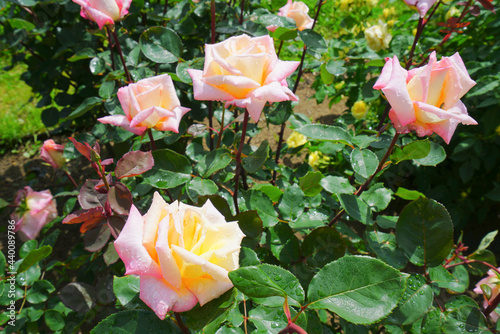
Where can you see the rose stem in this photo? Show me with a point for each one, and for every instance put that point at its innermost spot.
(151, 140)
(71, 179)
(420, 27)
(118, 47)
(165, 8)
(241, 15)
(299, 75)
(238, 161)
(103, 175)
(221, 128)
(111, 48)
(279, 49)
(367, 182)
(180, 323)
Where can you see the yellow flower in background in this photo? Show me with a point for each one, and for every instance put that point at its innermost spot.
(497, 130)
(344, 4)
(453, 11)
(371, 3)
(359, 109)
(389, 12)
(313, 159)
(339, 85)
(296, 139)
(377, 37)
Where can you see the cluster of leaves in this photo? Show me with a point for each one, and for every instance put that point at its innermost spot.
(338, 249)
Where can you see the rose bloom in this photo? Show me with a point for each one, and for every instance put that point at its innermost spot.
(296, 139)
(359, 109)
(493, 281)
(421, 5)
(52, 154)
(244, 71)
(103, 12)
(182, 254)
(377, 37)
(149, 103)
(35, 210)
(427, 99)
(297, 10)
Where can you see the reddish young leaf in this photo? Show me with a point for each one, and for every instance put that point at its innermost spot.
(90, 218)
(116, 224)
(134, 163)
(97, 238)
(90, 197)
(120, 198)
(486, 4)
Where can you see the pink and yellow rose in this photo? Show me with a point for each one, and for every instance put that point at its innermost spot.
(103, 12)
(182, 254)
(244, 71)
(52, 153)
(149, 103)
(35, 209)
(427, 99)
(298, 11)
(421, 5)
(493, 281)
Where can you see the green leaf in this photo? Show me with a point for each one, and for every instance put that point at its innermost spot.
(444, 279)
(385, 247)
(164, 179)
(85, 53)
(135, 321)
(314, 41)
(326, 76)
(39, 292)
(284, 34)
(337, 185)
(126, 289)
(79, 297)
(248, 257)
(425, 232)
(364, 162)
(170, 169)
(264, 206)
(377, 197)
(161, 45)
(416, 301)
(310, 183)
(322, 246)
(54, 320)
(250, 224)
(274, 193)
(464, 317)
(266, 280)
(213, 161)
(87, 105)
(325, 132)
(336, 67)
(107, 89)
(292, 203)
(356, 208)
(169, 160)
(409, 195)
(433, 321)
(34, 257)
(254, 161)
(415, 150)
(436, 155)
(27, 247)
(200, 187)
(360, 289)
(486, 241)
(17, 23)
(283, 243)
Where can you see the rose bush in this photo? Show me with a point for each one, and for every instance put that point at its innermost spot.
(182, 254)
(244, 71)
(35, 209)
(149, 103)
(298, 11)
(52, 153)
(427, 99)
(493, 282)
(103, 12)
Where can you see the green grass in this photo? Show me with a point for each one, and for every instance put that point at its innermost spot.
(19, 116)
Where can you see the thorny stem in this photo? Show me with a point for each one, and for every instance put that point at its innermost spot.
(71, 179)
(103, 175)
(111, 48)
(467, 261)
(238, 161)
(241, 14)
(279, 49)
(181, 324)
(245, 317)
(120, 53)
(367, 182)
(296, 85)
(165, 8)
(492, 305)
(151, 140)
